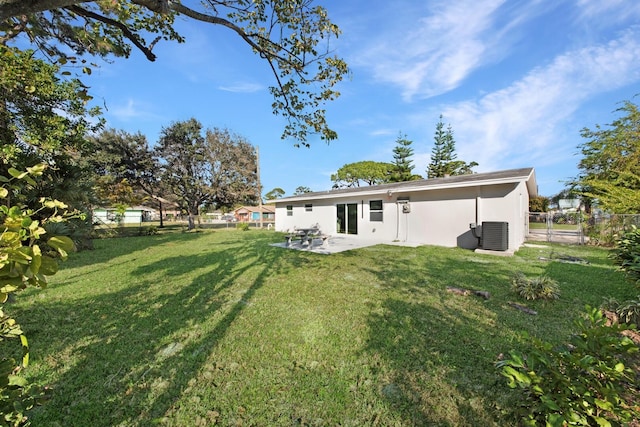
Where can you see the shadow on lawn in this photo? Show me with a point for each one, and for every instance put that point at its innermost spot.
(147, 345)
(439, 348)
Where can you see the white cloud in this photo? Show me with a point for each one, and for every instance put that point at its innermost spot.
(608, 12)
(382, 132)
(242, 88)
(436, 49)
(130, 110)
(520, 125)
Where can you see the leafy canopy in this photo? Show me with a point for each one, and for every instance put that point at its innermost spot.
(610, 164)
(294, 39)
(44, 119)
(218, 169)
(366, 172)
(276, 193)
(301, 190)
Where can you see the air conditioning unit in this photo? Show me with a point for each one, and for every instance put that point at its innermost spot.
(495, 236)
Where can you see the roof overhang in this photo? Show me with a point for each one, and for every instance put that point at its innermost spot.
(526, 175)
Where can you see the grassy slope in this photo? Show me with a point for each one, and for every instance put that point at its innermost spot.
(188, 329)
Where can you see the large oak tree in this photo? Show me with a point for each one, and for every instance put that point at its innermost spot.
(293, 37)
(218, 169)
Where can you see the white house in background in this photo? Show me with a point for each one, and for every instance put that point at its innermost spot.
(484, 210)
(133, 215)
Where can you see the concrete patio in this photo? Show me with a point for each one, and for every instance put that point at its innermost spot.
(336, 244)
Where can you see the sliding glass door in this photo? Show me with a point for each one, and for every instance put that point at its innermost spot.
(347, 218)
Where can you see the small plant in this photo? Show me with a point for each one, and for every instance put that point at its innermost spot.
(585, 383)
(629, 311)
(541, 287)
(244, 226)
(151, 230)
(627, 254)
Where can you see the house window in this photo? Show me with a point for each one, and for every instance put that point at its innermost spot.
(289, 210)
(308, 207)
(375, 210)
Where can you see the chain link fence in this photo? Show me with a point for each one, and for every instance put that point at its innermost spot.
(579, 228)
(557, 227)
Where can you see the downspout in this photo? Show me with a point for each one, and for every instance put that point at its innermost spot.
(475, 226)
(397, 221)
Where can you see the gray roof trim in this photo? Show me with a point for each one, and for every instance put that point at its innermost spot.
(460, 181)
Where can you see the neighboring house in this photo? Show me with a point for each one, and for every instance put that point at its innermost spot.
(252, 213)
(569, 205)
(441, 211)
(133, 215)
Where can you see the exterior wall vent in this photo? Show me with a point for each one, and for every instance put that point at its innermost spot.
(495, 236)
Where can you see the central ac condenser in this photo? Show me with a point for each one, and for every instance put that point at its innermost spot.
(495, 236)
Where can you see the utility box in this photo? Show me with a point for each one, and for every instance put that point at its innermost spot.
(495, 236)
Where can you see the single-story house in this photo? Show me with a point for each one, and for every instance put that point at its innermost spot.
(132, 215)
(252, 213)
(483, 210)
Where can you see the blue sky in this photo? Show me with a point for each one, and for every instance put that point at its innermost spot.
(516, 80)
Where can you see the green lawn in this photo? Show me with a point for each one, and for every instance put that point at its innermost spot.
(189, 329)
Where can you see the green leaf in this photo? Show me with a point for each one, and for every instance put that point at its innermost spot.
(555, 420)
(36, 262)
(16, 173)
(602, 422)
(48, 266)
(7, 289)
(549, 403)
(37, 170)
(62, 244)
(3, 193)
(17, 380)
(516, 376)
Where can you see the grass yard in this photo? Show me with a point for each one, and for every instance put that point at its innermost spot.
(190, 329)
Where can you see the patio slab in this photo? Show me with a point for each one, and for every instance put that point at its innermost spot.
(336, 244)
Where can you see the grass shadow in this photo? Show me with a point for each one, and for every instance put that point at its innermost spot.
(440, 348)
(141, 381)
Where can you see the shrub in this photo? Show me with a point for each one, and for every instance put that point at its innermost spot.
(627, 254)
(541, 287)
(584, 383)
(28, 256)
(627, 311)
(151, 230)
(244, 226)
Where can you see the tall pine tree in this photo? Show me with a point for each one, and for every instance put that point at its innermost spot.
(443, 155)
(402, 163)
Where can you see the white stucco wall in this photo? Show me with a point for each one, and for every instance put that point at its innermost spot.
(130, 216)
(439, 217)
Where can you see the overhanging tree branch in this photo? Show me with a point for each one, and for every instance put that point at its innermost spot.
(285, 33)
(125, 30)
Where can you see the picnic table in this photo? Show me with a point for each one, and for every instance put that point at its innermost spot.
(305, 235)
